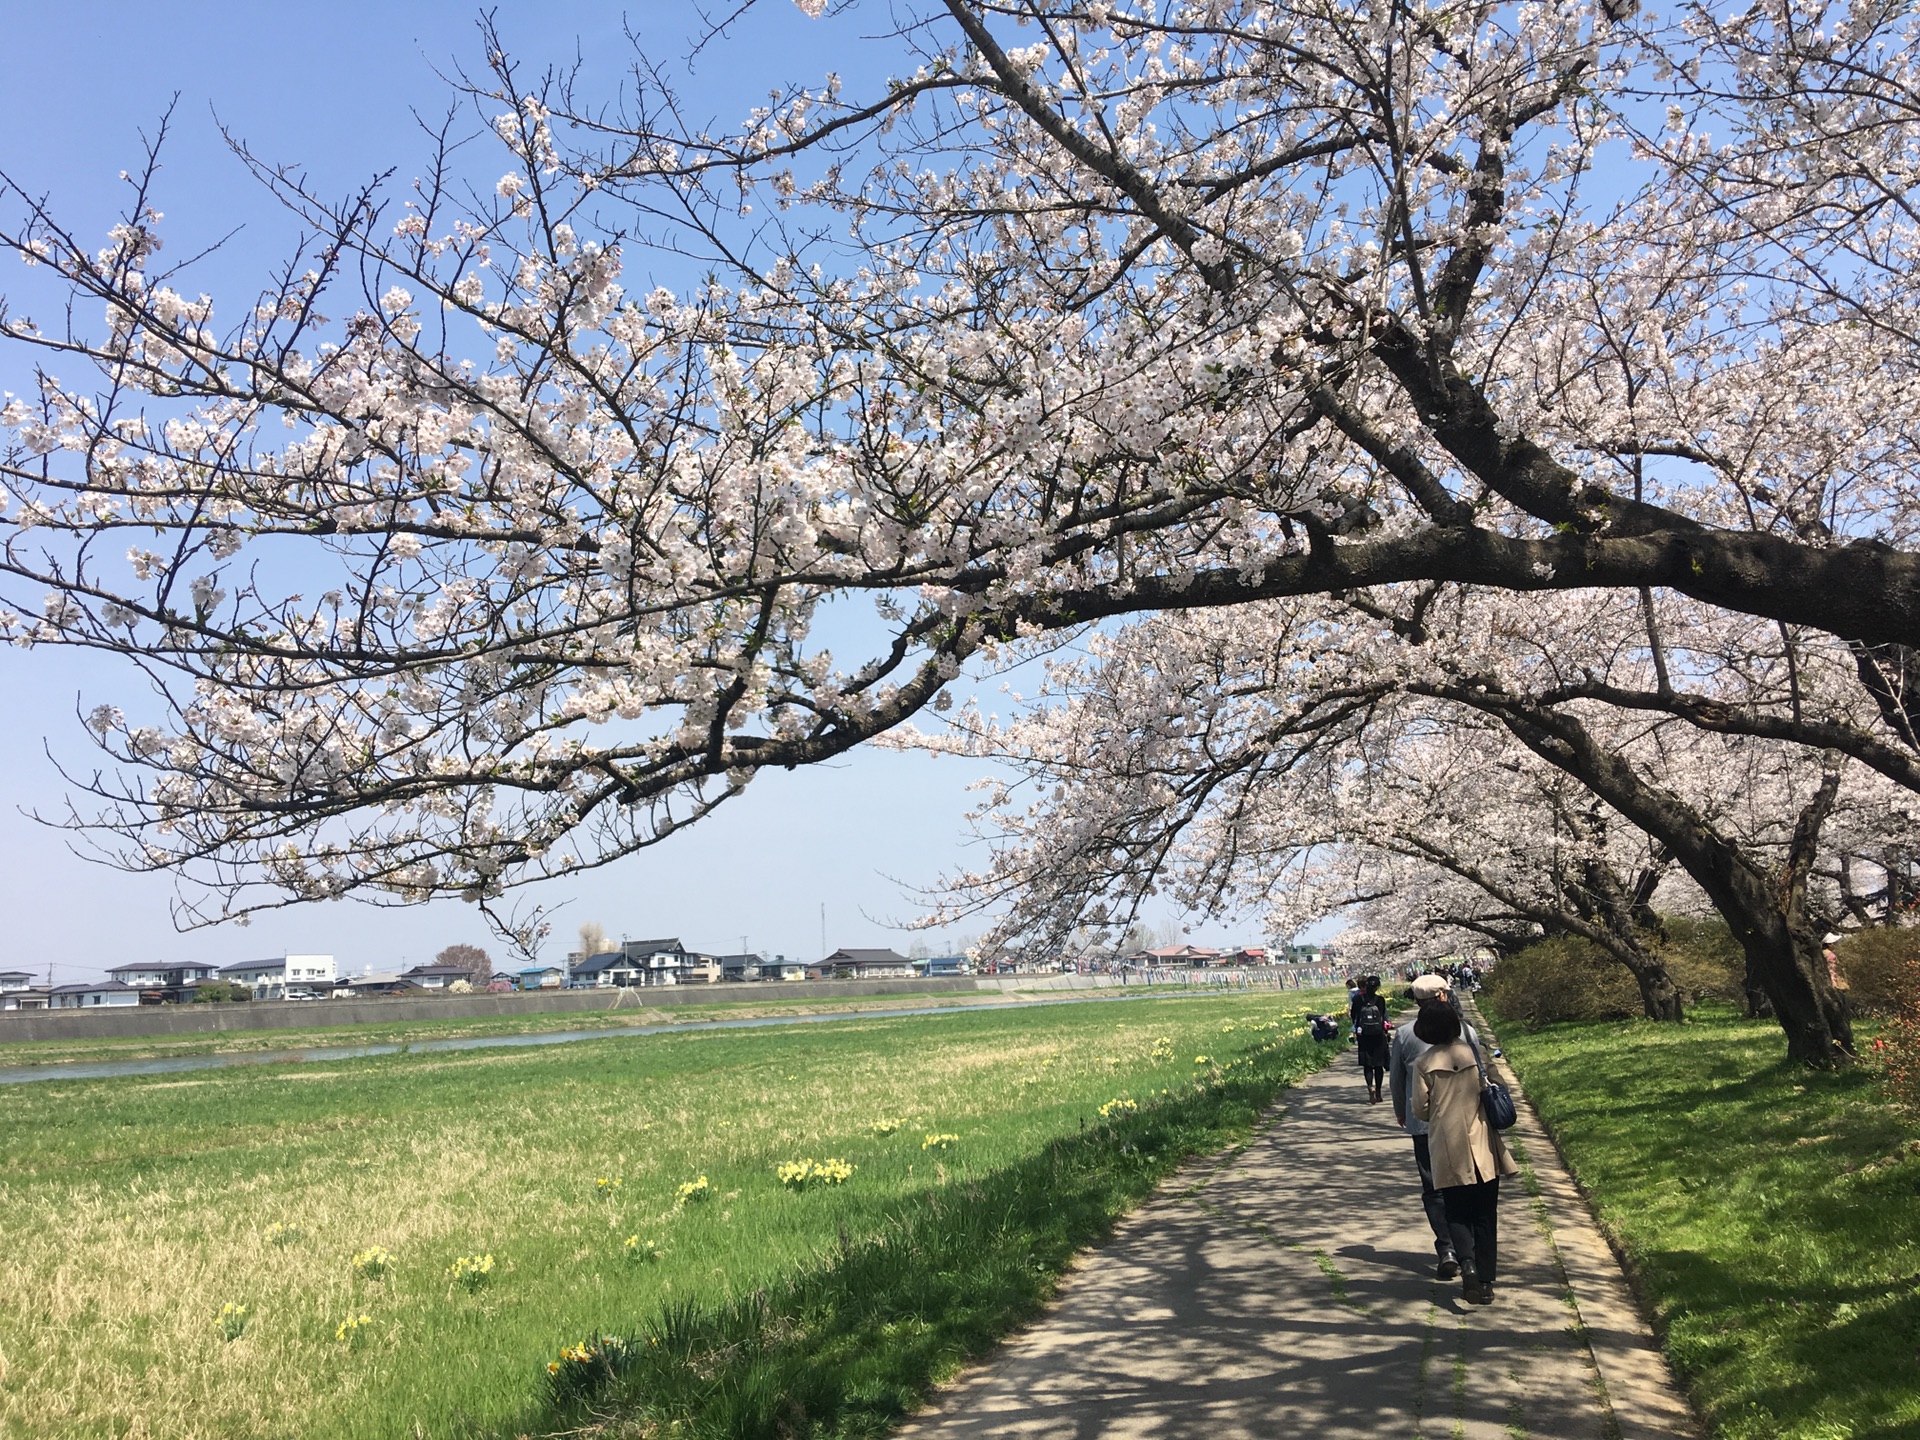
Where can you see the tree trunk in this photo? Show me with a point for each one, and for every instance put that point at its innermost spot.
(1766, 911)
(1785, 959)
(1659, 996)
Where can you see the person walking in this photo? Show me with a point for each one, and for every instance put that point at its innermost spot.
(1403, 1055)
(1468, 1155)
(1368, 1011)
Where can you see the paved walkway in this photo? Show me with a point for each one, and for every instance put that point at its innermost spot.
(1287, 1289)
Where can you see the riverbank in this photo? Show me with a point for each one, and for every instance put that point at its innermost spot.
(193, 1256)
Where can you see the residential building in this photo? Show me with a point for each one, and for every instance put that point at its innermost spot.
(12, 981)
(373, 982)
(866, 964)
(737, 968)
(291, 977)
(541, 977)
(668, 962)
(437, 977)
(608, 970)
(98, 993)
(25, 997)
(1169, 956)
(160, 982)
(943, 965)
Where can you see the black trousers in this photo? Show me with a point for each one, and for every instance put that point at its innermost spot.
(1430, 1200)
(1473, 1217)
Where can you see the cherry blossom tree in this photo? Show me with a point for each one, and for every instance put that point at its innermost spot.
(454, 564)
(1245, 757)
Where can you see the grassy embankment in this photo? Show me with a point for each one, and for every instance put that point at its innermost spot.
(1771, 1214)
(135, 1210)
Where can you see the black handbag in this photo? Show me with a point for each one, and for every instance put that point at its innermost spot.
(1495, 1103)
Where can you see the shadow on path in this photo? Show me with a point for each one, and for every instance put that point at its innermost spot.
(1288, 1291)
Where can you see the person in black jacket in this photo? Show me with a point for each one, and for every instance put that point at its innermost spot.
(1368, 1011)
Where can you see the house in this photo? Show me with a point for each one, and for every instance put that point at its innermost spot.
(437, 977)
(1165, 956)
(373, 982)
(943, 965)
(99, 993)
(24, 997)
(858, 964)
(160, 982)
(737, 968)
(291, 977)
(610, 969)
(668, 962)
(1248, 955)
(781, 968)
(13, 981)
(541, 977)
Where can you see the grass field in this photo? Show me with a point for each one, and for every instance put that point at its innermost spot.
(625, 1010)
(137, 1210)
(1772, 1216)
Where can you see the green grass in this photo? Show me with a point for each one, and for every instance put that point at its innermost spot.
(1771, 1216)
(624, 1010)
(134, 1210)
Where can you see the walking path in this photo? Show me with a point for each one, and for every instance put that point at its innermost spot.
(1286, 1289)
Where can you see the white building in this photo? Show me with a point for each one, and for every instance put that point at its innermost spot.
(291, 977)
(91, 996)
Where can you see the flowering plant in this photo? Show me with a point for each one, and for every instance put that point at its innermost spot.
(693, 1191)
(373, 1262)
(885, 1127)
(280, 1233)
(939, 1142)
(805, 1174)
(1120, 1105)
(232, 1321)
(607, 1184)
(640, 1252)
(471, 1272)
(583, 1370)
(348, 1330)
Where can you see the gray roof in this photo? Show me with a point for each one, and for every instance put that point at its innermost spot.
(867, 957)
(438, 970)
(671, 946)
(18, 974)
(253, 965)
(159, 965)
(96, 985)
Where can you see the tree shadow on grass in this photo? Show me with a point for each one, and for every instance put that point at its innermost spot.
(849, 1346)
(1766, 1335)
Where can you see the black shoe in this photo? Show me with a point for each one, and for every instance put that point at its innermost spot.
(1447, 1268)
(1480, 1295)
(1469, 1284)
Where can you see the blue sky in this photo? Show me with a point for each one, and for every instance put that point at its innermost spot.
(334, 87)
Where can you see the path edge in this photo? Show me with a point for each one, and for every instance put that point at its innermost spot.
(1647, 1402)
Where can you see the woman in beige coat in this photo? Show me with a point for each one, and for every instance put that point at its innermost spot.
(1469, 1156)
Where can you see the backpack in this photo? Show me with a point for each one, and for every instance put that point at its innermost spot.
(1371, 1016)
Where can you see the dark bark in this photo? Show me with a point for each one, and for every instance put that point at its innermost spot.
(1767, 911)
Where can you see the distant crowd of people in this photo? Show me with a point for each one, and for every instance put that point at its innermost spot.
(1436, 1076)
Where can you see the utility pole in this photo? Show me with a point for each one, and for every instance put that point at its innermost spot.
(823, 929)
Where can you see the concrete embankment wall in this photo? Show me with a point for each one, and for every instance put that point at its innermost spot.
(128, 1021)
